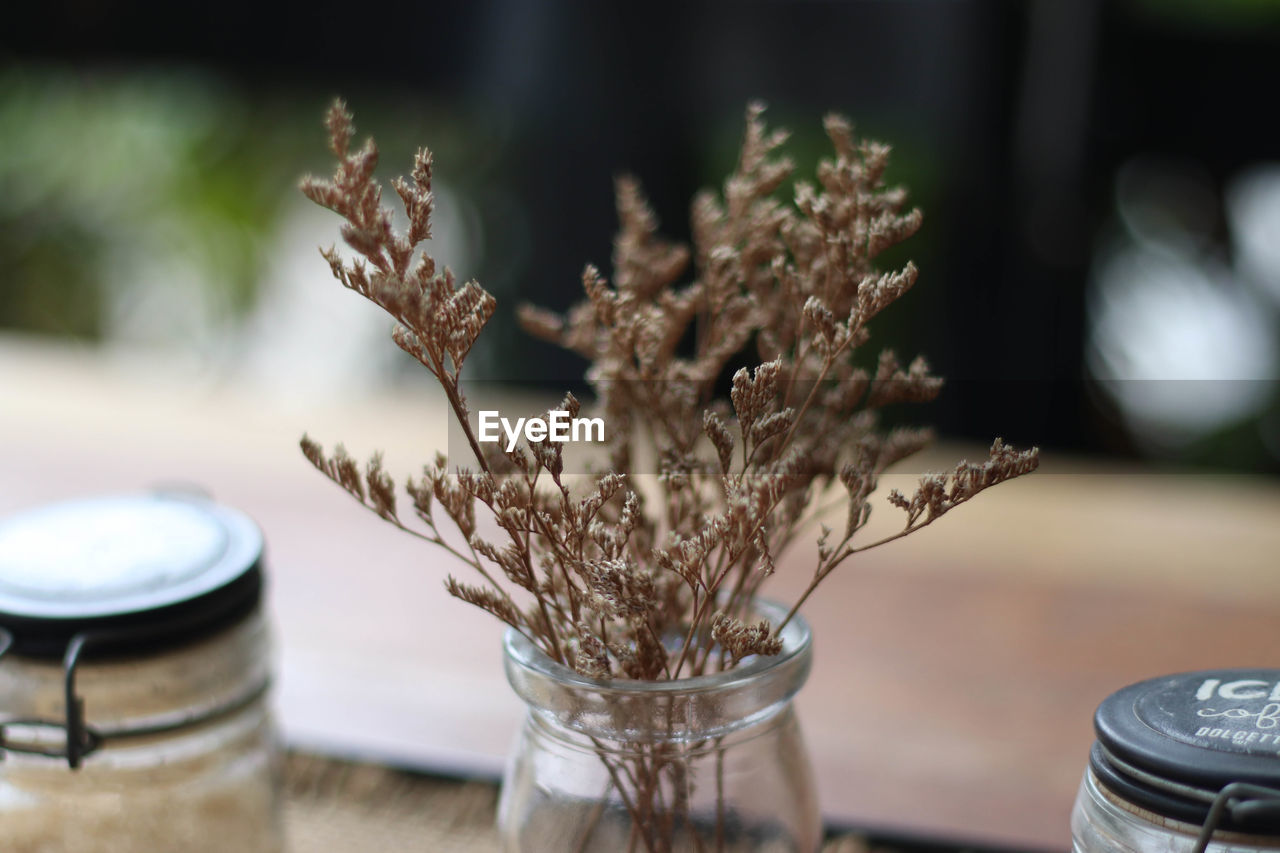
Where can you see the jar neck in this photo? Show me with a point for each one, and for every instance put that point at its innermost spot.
(1225, 805)
(685, 710)
(1139, 825)
(153, 694)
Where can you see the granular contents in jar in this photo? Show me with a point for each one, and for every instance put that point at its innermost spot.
(192, 806)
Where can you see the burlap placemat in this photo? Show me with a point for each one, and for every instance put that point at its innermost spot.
(342, 807)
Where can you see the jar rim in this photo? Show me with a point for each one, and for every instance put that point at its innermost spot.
(143, 571)
(1169, 726)
(796, 636)
(685, 709)
(1173, 744)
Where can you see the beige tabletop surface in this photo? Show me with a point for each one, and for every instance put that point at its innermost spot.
(955, 672)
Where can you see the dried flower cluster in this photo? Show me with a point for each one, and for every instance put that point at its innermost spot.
(610, 582)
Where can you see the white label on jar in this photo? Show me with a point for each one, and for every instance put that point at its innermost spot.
(1238, 712)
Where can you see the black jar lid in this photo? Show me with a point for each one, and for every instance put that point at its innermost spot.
(137, 572)
(1170, 744)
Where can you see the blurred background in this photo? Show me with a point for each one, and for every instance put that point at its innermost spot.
(1100, 275)
(1100, 180)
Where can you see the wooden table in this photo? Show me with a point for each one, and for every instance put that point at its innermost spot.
(955, 675)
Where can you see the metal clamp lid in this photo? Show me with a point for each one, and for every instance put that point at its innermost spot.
(121, 575)
(148, 569)
(1201, 748)
(80, 739)
(1244, 804)
(1238, 806)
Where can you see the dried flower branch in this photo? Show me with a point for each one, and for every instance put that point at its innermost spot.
(604, 581)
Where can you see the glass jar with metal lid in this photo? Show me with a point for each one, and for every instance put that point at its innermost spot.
(134, 669)
(1187, 762)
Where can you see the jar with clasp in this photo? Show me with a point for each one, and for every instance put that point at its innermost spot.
(134, 676)
(1187, 762)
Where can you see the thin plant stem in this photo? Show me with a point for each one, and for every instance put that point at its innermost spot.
(593, 821)
(720, 804)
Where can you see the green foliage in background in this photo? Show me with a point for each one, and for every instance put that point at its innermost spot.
(102, 173)
(1226, 15)
(168, 177)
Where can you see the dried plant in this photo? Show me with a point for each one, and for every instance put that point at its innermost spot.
(606, 580)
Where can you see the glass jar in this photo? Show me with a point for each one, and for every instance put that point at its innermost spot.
(133, 680)
(1184, 764)
(713, 763)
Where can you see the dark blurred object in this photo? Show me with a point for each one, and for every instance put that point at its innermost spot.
(1010, 123)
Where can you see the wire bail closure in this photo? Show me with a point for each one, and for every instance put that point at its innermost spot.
(1243, 802)
(81, 739)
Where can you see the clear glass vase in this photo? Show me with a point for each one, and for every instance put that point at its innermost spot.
(713, 763)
